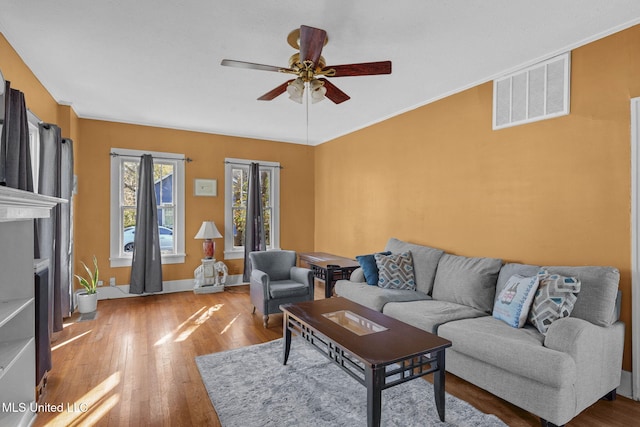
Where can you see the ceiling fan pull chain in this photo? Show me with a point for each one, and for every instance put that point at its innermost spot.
(307, 108)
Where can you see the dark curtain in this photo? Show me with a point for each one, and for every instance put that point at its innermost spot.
(15, 156)
(54, 234)
(254, 239)
(146, 268)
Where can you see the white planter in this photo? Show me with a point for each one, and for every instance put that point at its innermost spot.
(87, 303)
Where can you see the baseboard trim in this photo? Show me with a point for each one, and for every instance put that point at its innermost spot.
(122, 291)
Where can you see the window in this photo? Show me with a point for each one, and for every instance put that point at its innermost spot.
(169, 189)
(236, 177)
(34, 147)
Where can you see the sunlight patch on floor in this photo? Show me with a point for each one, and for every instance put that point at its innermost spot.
(186, 328)
(226, 328)
(165, 339)
(91, 407)
(197, 322)
(70, 340)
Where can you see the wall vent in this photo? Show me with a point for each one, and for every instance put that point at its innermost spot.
(536, 93)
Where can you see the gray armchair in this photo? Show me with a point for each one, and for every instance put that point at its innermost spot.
(276, 280)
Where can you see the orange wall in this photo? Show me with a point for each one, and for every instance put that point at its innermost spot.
(94, 139)
(553, 192)
(38, 99)
(208, 153)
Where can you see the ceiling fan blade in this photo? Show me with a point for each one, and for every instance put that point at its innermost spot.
(272, 94)
(252, 66)
(333, 93)
(363, 69)
(311, 43)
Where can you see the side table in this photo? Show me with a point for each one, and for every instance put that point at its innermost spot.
(328, 268)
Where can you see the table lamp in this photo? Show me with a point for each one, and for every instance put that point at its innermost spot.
(208, 232)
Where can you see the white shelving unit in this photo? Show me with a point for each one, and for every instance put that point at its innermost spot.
(17, 303)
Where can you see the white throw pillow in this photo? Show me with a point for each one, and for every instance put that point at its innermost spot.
(513, 303)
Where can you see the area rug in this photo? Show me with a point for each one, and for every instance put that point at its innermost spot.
(250, 387)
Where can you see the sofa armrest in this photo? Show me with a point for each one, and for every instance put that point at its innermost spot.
(302, 275)
(357, 275)
(596, 350)
(574, 336)
(260, 279)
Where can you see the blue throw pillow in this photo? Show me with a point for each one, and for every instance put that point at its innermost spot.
(369, 267)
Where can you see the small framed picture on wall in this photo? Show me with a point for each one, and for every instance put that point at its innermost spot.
(205, 187)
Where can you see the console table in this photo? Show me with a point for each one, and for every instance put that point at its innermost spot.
(328, 267)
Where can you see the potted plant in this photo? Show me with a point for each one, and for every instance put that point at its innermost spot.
(88, 299)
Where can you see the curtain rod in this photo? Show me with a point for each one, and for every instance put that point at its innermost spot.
(185, 159)
(32, 115)
(226, 162)
(29, 114)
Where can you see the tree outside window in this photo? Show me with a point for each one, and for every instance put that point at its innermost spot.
(236, 186)
(240, 176)
(164, 188)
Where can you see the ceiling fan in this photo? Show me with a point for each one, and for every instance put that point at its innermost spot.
(310, 69)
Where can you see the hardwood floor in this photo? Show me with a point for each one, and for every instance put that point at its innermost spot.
(134, 365)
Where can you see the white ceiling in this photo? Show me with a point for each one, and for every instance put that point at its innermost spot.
(157, 63)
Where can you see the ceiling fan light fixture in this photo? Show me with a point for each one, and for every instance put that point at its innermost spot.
(318, 91)
(295, 89)
(307, 65)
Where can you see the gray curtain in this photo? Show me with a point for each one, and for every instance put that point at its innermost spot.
(254, 239)
(15, 156)
(146, 268)
(54, 234)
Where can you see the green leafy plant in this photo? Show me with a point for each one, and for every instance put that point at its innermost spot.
(90, 285)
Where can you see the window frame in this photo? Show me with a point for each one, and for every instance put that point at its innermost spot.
(117, 257)
(237, 252)
(34, 148)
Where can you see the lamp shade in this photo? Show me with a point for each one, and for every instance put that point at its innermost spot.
(295, 89)
(318, 91)
(208, 230)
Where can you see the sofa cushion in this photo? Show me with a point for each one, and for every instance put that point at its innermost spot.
(519, 351)
(429, 314)
(467, 281)
(554, 299)
(369, 267)
(425, 261)
(596, 301)
(510, 269)
(513, 304)
(395, 271)
(357, 275)
(287, 288)
(375, 297)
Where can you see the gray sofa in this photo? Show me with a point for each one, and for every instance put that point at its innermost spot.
(555, 375)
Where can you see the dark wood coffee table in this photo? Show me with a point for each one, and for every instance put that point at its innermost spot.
(375, 349)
